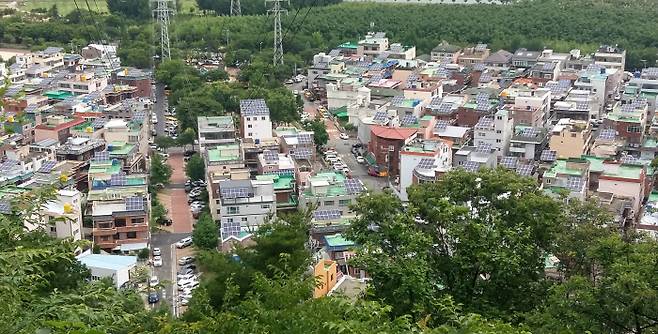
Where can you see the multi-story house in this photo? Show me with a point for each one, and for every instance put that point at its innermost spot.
(255, 119)
(423, 161)
(385, 145)
(495, 130)
(630, 121)
(473, 55)
(215, 130)
(445, 51)
(51, 57)
(79, 149)
(244, 205)
(83, 83)
(330, 190)
(528, 142)
(571, 138)
(296, 143)
(611, 57)
(524, 58)
(472, 158)
(57, 128)
(570, 176)
(373, 44)
(532, 108)
(499, 59)
(579, 105)
(349, 92)
(122, 224)
(285, 190)
(645, 87)
(137, 78)
(602, 82)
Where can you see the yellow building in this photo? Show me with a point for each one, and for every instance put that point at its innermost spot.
(326, 275)
(571, 138)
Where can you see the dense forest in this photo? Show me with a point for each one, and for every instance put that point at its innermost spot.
(467, 255)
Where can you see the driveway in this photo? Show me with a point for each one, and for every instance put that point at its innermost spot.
(174, 198)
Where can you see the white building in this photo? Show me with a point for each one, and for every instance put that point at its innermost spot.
(611, 57)
(215, 130)
(244, 205)
(347, 93)
(496, 131)
(64, 215)
(423, 161)
(373, 44)
(116, 267)
(255, 119)
(82, 84)
(537, 103)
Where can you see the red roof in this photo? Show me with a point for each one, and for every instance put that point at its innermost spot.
(70, 124)
(392, 133)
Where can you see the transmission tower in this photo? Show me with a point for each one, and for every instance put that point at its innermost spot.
(162, 12)
(278, 34)
(236, 9)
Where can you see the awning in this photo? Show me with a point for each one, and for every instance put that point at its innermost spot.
(342, 114)
(132, 247)
(370, 159)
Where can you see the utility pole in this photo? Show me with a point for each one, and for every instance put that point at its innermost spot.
(227, 32)
(162, 12)
(236, 9)
(278, 34)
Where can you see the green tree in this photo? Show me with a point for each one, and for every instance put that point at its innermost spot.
(206, 233)
(195, 168)
(53, 12)
(320, 135)
(158, 211)
(160, 171)
(134, 9)
(143, 254)
(165, 142)
(215, 75)
(187, 138)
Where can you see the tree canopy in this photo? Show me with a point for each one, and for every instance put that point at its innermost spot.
(206, 233)
(195, 168)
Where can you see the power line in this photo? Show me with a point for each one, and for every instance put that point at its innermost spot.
(278, 36)
(236, 9)
(300, 24)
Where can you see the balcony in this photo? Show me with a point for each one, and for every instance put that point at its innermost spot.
(97, 232)
(133, 228)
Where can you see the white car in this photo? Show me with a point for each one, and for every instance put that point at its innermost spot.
(184, 301)
(187, 277)
(157, 261)
(187, 285)
(343, 136)
(185, 260)
(360, 159)
(157, 252)
(154, 281)
(184, 242)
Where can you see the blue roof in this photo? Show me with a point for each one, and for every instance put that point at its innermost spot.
(114, 262)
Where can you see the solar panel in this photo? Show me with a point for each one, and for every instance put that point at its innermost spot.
(139, 116)
(380, 116)
(271, 155)
(480, 47)
(607, 134)
(102, 156)
(330, 214)
(639, 103)
(445, 108)
(134, 204)
(575, 183)
(650, 71)
(471, 166)
(353, 186)
(483, 106)
(628, 108)
(484, 148)
(412, 77)
(482, 97)
(375, 78)
(524, 170)
(582, 105)
(13, 90)
(118, 180)
(7, 165)
(486, 77)
(548, 66)
(442, 73)
(376, 67)
(98, 123)
(230, 229)
(628, 159)
(530, 132)
(426, 163)
(435, 102)
(234, 192)
(441, 124)
(5, 207)
(31, 108)
(47, 167)
(548, 155)
(479, 67)
(396, 101)
(253, 107)
(509, 162)
(485, 123)
(564, 83)
(305, 138)
(302, 153)
(409, 119)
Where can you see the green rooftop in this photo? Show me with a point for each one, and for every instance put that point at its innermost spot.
(560, 167)
(337, 240)
(349, 45)
(595, 163)
(650, 143)
(105, 167)
(57, 95)
(120, 148)
(653, 197)
(9, 192)
(627, 172)
(281, 182)
(224, 153)
(335, 189)
(82, 127)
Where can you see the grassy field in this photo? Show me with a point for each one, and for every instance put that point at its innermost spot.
(67, 6)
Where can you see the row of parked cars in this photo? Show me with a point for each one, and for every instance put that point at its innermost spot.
(194, 190)
(187, 279)
(336, 162)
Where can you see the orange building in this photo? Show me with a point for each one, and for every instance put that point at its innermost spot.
(326, 274)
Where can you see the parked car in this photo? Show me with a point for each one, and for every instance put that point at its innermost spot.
(157, 251)
(186, 271)
(188, 187)
(184, 301)
(344, 136)
(184, 242)
(188, 285)
(153, 297)
(188, 266)
(153, 281)
(185, 260)
(157, 261)
(186, 277)
(360, 159)
(289, 82)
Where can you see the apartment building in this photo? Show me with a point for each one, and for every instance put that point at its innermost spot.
(385, 145)
(571, 138)
(532, 108)
(423, 161)
(602, 82)
(495, 130)
(373, 44)
(137, 78)
(215, 130)
(244, 205)
(611, 57)
(121, 225)
(473, 55)
(255, 119)
(82, 84)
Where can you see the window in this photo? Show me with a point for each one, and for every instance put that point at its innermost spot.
(53, 229)
(229, 220)
(498, 140)
(248, 126)
(265, 206)
(244, 219)
(573, 135)
(500, 118)
(131, 235)
(250, 134)
(499, 131)
(262, 118)
(248, 118)
(233, 210)
(634, 128)
(481, 134)
(116, 236)
(138, 221)
(104, 225)
(344, 202)
(120, 223)
(548, 181)
(329, 203)
(105, 238)
(460, 163)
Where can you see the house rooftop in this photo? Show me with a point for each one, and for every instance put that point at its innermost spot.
(224, 153)
(112, 262)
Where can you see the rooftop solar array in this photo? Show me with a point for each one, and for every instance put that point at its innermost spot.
(479, 67)
(376, 67)
(134, 204)
(118, 180)
(594, 68)
(13, 90)
(353, 186)
(5, 207)
(426, 163)
(102, 156)
(524, 170)
(548, 67)
(380, 116)
(509, 162)
(483, 106)
(396, 101)
(444, 108)
(639, 103)
(628, 108)
(607, 134)
(302, 153)
(8, 165)
(234, 192)
(331, 214)
(375, 78)
(484, 148)
(482, 97)
(485, 123)
(530, 132)
(230, 229)
(98, 123)
(139, 116)
(409, 120)
(582, 105)
(305, 138)
(271, 155)
(47, 167)
(575, 183)
(548, 155)
(564, 83)
(441, 124)
(481, 47)
(31, 108)
(442, 73)
(412, 77)
(486, 77)
(628, 159)
(650, 71)
(253, 107)
(435, 102)
(471, 166)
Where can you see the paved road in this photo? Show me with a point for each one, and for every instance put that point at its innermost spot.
(160, 107)
(167, 273)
